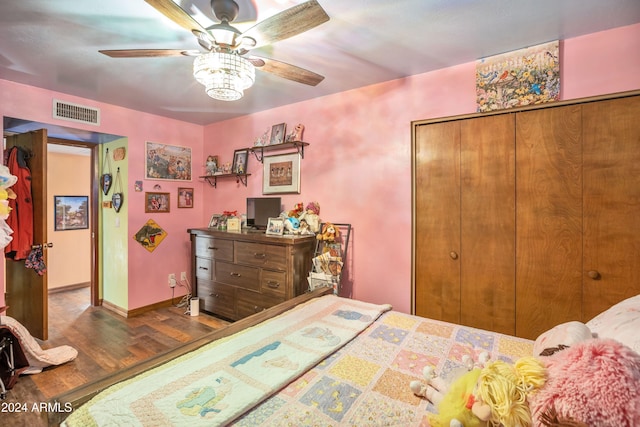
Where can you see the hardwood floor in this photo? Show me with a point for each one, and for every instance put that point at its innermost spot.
(106, 342)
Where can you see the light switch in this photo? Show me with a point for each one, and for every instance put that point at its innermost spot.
(117, 222)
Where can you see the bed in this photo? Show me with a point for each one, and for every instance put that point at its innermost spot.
(322, 360)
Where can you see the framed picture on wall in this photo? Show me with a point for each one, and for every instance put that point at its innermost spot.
(71, 212)
(156, 202)
(281, 174)
(185, 197)
(168, 162)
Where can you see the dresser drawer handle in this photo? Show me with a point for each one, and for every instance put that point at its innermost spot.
(214, 295)
(273, 285)
(203, 268)
(235, 274)
(259, 256)
(212, 248)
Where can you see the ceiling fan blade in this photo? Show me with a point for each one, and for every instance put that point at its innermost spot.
(147, 53)
(286, 71)
(174, 12)
(287, 23)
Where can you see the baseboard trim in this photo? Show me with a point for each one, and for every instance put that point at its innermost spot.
(136, 311)
(69, 287)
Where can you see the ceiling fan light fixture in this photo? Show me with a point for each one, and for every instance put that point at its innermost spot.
(225, 76)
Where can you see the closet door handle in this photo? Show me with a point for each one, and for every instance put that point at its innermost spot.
(453, 255)
(594, 274)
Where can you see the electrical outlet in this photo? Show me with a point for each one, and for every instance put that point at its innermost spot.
(172, 280)
(183, 276)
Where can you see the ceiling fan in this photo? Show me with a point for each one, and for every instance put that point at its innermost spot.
(226, 67)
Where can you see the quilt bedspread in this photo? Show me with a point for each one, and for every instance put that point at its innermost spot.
(366, 383)
(218, 382)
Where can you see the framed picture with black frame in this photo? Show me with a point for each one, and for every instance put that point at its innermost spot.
(240, 158)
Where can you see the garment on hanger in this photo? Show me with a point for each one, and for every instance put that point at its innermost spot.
(21, 218)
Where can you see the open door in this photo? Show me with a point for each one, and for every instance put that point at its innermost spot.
(26, 290)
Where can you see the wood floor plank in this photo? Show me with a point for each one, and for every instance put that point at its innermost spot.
(106, 343)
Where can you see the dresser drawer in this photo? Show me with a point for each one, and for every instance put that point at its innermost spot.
(210, 247)
(217, 298)
(204, 269)
(274, 283)
(242, 276)
(249, 302)
(261, 255)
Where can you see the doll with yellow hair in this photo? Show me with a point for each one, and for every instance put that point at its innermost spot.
(495, 395)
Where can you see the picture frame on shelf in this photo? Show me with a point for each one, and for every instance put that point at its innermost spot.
(71, 213)
(156, 202)
(240, 158)
(275, 226)
(185, 197)
(215, 220)
(278, 133)
(281, 174)
(167, 162)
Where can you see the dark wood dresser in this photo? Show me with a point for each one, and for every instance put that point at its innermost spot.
(237, 274)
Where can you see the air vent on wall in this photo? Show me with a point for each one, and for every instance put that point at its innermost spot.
(75, 112)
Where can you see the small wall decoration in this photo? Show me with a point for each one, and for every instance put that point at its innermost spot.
(275, 226)
(167, 162)
(523, 77)
(281, 174)
(240, 158)
(71, 212)
(138, 186)
(156, 202)
(118, 194)
(106, 178)
(185, 197)
(150, 235)
(119, 154)
(277, 134)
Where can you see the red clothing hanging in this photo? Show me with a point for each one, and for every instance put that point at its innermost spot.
(21, 217)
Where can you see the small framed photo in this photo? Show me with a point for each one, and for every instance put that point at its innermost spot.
(277, 134)
(215, 220)
(71, 212)
(240, 158)
(156, 202)
(234, 225)
(185, 197)
(275, 226)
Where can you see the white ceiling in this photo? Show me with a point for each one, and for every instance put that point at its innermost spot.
(54, 44)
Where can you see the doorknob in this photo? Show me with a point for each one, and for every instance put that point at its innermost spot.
(453, 255)
(42, 246)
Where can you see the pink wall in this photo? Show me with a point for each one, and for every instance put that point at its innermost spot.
(147, 274)
(358, 165)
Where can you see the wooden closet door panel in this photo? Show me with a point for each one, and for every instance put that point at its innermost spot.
(488, 223)
(437, 221)
(548, 219)
(611, 203)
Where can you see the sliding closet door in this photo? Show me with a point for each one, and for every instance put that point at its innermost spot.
(611, 203)
(488, 222)
(437, 221)
(548, 218)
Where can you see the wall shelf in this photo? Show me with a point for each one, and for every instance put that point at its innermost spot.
(259, 150)
(213, 179)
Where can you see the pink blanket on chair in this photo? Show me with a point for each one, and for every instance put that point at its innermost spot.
(37, 357)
